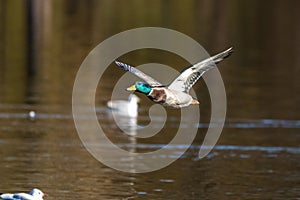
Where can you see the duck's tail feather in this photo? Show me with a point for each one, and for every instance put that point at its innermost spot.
(221, 56)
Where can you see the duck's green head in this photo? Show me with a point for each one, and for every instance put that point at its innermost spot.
(140, 87)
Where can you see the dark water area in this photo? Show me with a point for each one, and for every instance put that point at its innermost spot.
(43, 44)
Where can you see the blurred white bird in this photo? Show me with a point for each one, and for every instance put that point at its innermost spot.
(125, 108)
(35, 194)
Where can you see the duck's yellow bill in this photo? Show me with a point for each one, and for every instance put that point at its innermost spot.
(195, 102)
(131, 88)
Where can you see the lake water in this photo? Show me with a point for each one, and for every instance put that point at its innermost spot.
(42, 45)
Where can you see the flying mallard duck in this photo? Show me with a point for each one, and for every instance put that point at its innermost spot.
(176, 94)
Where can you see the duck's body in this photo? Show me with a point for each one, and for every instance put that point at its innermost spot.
(35, 194)
(176, 94)
(170, 98)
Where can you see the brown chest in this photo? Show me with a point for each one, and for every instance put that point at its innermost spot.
(158, 95)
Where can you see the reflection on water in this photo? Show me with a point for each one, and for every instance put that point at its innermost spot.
(43, 43)
(46, 152)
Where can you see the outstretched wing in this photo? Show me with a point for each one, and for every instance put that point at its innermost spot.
(189, 76)
(148, 79)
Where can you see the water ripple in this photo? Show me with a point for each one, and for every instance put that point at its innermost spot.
(268, 149)
(229, 123)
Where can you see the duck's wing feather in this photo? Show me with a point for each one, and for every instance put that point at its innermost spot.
(190, 75)
(148, 79)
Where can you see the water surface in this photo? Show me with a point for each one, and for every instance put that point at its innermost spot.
(43, 43)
